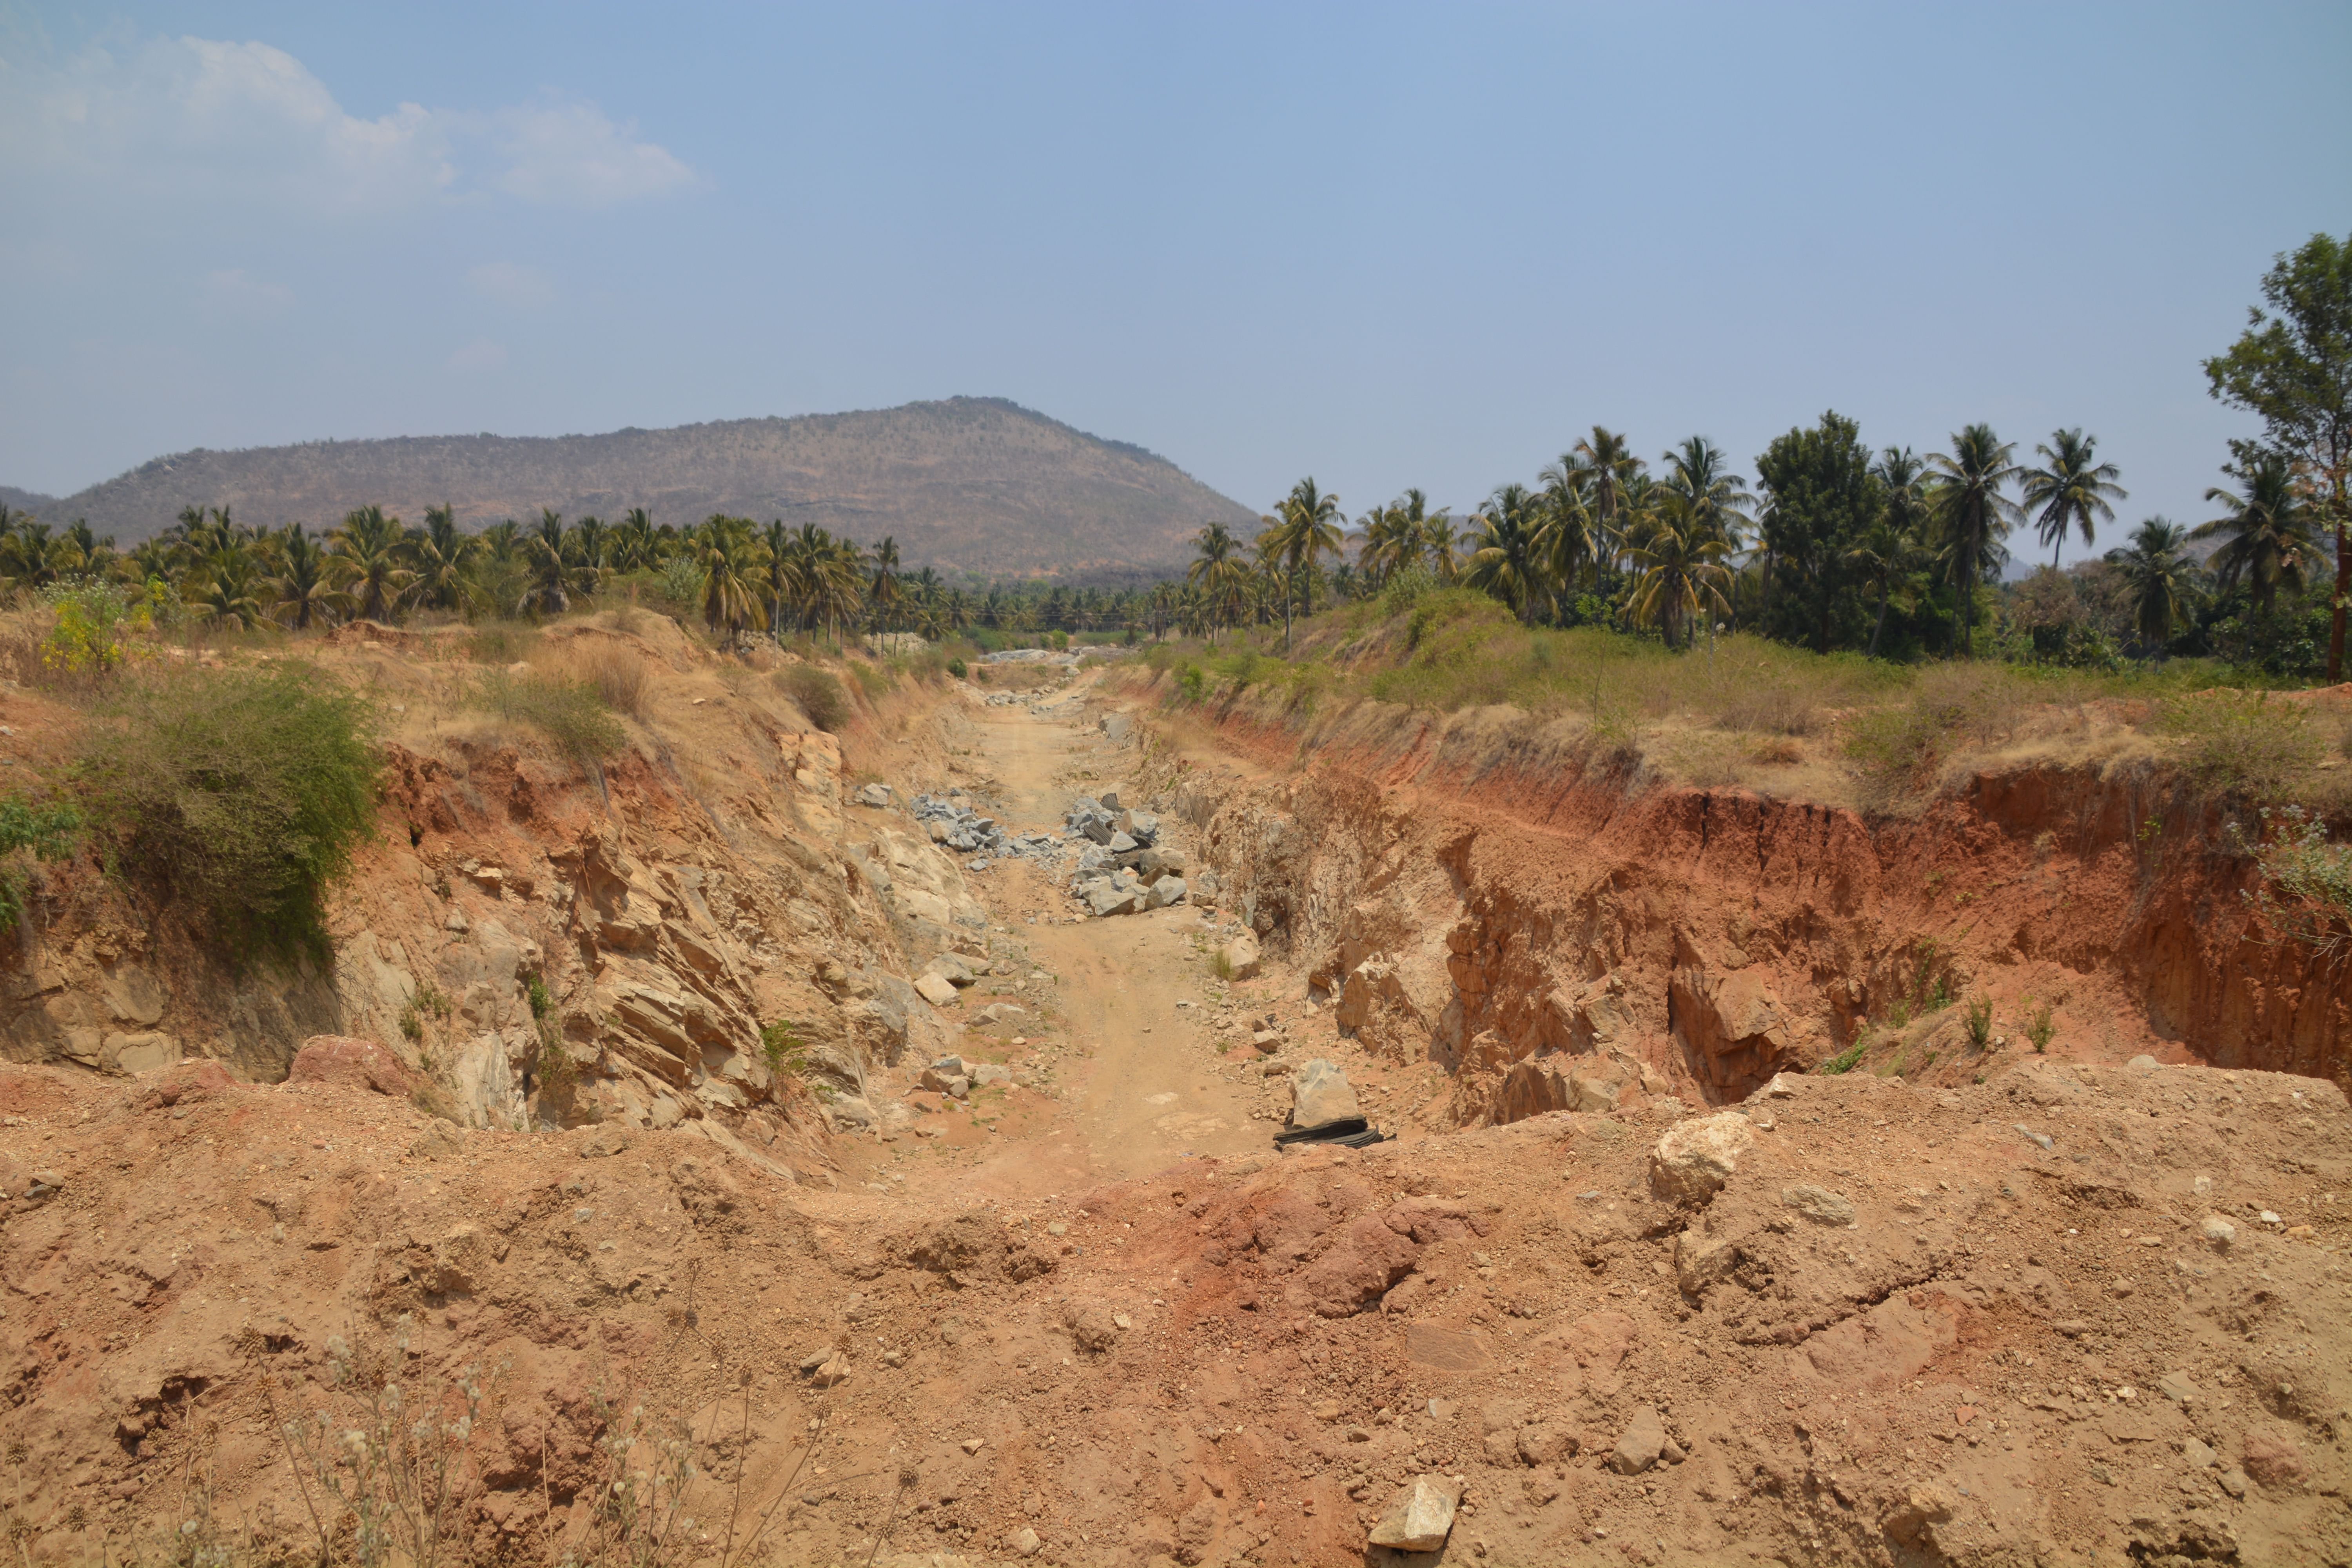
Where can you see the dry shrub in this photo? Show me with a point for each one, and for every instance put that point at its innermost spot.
(820, 695)
(617, 676)
(1770, 710)
(2243, 742)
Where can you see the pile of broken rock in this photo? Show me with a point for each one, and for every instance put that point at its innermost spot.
(951, 820)
(1124, 868)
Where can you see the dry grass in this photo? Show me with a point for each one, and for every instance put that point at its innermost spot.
(617, 675)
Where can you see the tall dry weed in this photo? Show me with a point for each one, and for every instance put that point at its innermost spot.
(617, 675)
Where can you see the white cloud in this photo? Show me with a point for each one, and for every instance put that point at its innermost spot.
(215, 120)
(511, 284)
(569, 154)
(480, 357)
(236, 292)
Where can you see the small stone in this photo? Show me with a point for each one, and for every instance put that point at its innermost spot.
(1818, 1205)
(2177, 1387)
(2042, 1140)
(1122, 1321)
(833, 1372)
(2233, 1481)
(457, 922)
(1420, 1517)
(2269, 1218)
(2199, 1456)
(1644, 1441)
(1025, 1542)
(1320, 1095)
(2218, 1233)
(974, 1444)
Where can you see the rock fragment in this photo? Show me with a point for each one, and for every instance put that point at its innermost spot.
(1420, 1517)
(1696, 1158)
(1644, 1441)
(1320, 1095)
(1818, 1205)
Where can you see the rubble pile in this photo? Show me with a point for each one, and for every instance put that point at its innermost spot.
(951, 820)
(1123, 867)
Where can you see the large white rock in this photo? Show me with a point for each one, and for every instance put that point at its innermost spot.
(1241, 956)
(1320, 1095)
(1694, 1158)
(1420, 1517)
(1166, 892)
(935, 988)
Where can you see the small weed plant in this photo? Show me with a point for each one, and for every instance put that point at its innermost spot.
(38, 832)
(2306, 881)
(1980, 1020)
(2247, 743)
(2042, 1030)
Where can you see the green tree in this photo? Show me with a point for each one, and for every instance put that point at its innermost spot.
(438, 555)
(1508, 563)
(1678, 571)
(2292, 367)
(2266, 531)
(305, 591)
(1219, 574)
(2157, 572)
(1820, 500)
(1605, 460)
(1973, 514)
(2070, 489)
(370, 549)
(733, 559)
(1306, 526)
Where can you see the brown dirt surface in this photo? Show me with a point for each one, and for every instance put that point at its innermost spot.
(2055, 1308)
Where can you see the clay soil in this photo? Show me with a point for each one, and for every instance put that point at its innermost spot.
(2079, 1311)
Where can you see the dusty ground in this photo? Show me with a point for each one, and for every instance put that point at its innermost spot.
(2074, 1313)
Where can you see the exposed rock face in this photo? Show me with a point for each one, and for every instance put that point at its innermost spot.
(1731, 1026)
(1716, 938)
(341, 1059)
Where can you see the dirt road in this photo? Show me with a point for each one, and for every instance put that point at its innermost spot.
(1142, 1087)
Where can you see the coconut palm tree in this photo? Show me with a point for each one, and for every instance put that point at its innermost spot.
(883, 592)
(304, 592)
(438, 555)
(1677, 562)
(1220, 574)
(632, 541)
(1508, 562)
(2070, 489)
(1306, 527)
(734, 575)
(1605, 460)
(1719, 498)
(555, 578)
(502, 540)
(2268, 529)
(1974, 514)
(1440, 546)
(371, 550)
(2157, 570)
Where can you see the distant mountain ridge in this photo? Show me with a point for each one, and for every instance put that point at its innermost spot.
(975, 484)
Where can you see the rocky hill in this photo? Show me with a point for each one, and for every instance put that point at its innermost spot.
(972, 484)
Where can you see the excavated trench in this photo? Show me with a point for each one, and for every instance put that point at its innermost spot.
(1550, 932)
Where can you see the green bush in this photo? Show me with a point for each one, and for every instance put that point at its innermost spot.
(2306, 881)
(1980, 1021)
(569, 713)
(820, 695)
(958, 668)
(2042, 1030)
(235, 798)
(784, 1047)
(48, 832)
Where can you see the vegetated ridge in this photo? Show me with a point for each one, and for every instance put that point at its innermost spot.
(973, 484)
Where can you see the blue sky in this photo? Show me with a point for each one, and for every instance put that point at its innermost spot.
(1383, 246)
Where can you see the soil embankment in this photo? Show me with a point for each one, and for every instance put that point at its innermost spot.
(1515, 902)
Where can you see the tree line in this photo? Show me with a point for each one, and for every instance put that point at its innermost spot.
(1887, 552)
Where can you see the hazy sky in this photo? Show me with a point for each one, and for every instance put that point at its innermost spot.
(1383, 246)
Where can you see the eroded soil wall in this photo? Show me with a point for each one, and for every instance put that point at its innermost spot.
(1547, 927)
